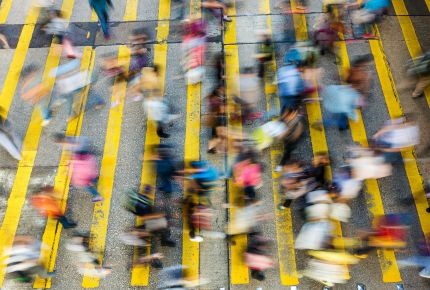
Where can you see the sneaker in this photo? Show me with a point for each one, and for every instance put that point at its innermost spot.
(196, 239)
(46, 122)
(227, 19)
(414, 96)
(278, 168)
(97, 198)
(281, 207)
(369, 35)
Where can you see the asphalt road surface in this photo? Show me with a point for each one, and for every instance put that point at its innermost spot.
(122, 135)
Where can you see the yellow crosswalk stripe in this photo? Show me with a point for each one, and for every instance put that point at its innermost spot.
(409, 34)
(283, 219)
(12, 77)
(428, 4)
(239, 273)
(140, 273)
(93, 16)
(30, 144)
(25, 167)
(394, 109)
(52, 233)
(4, 10)
(387, 258)
(190, 250)
(107, 171)
(318, 138)
(131, 10)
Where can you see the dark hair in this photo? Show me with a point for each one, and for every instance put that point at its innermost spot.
(362, 59)
(31, 68)
(59, 137)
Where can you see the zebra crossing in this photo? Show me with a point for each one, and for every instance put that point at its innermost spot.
(113, 124)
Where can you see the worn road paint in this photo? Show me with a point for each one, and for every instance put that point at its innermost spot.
(52, 233)
(239, 273)
(387, 259)
(318, 138)
(140, 273)
(395, 110)
(191, 250)
(409, 35)
(25, 167)
(283, 218)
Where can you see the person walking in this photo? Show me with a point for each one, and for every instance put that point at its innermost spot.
(49, 206)
(85, 173)
(9, 140)
(101, 9)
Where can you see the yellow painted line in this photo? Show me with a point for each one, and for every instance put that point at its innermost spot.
(387, 258)
(283, 218)
(4, 10)
(107, 172)
(130, 13)
(94, 17)
(140, 273)
(191, 250)
(239, 273)
(428, 4)
(395, 110)
(25, 167)
(15, 68)
(409, 35)
(52, 233)
(318, 138)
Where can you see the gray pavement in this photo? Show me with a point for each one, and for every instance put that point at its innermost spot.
(214, 263)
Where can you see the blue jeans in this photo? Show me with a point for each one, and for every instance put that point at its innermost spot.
(45, 108)
(92, 188)
(338, 119)
(103, 16)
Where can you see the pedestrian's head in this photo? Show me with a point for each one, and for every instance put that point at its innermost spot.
(59, 138)
(29, 70)
(361, 60)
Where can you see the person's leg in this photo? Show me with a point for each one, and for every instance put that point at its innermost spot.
(66, 223)
(93, 190)
(103, 18)
(342, 121)
(288, 148)
(160, 130)
(45, 109)
(422, 83)
(9, 146)
(165, 238)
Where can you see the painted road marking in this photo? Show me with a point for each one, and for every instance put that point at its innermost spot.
(395, 110)
(107, 171)
(318, 138)
(283, 219)
(140, 273)
(409, 35)
(4, 10)
(15, 68)
(52, 233)
(239, 273)
(25, 167)
(387, 258)
(31, 141)
(190, 250)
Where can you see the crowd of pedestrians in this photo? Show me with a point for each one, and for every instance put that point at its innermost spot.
(304, 186)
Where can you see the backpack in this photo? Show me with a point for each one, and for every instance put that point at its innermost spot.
(138, 204)
(419, 65)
